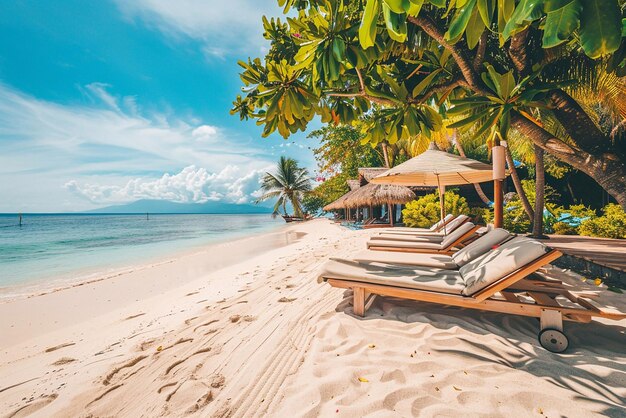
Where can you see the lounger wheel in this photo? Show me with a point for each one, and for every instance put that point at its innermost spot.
(553, 340)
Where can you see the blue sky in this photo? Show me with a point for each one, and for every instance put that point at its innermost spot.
(104, 102)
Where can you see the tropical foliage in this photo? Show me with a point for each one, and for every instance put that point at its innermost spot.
(397, 67)
(425, 211)
(287, 184)
(610, 225)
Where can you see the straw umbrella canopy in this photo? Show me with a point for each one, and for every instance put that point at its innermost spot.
(437, 168)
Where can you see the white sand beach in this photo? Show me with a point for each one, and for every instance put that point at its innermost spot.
(257, 336)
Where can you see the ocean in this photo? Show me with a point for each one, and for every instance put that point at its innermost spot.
(70, 247)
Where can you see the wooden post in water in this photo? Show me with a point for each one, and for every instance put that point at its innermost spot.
(147, 216)
(20, 216)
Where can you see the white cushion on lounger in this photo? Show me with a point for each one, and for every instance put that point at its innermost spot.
(412, 259)
(407, 237)
(450, 227)
(404, 244)
(497, 263)
(480, 246)
(426, 245)
(458, 233)
(418, 230)
(435, 280)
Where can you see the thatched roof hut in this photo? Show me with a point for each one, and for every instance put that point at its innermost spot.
(353, 184)
(378, 195)
(340, 203)
(366, 174)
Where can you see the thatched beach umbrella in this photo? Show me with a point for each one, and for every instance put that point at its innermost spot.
(437, 168)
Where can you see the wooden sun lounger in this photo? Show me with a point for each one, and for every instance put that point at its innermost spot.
(469, 230)
(514, 293)
(450, 226)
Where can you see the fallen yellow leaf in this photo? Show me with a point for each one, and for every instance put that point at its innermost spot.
(372, 346)
(457, 389)
(597, 281)
(159, 348)
(363, 380)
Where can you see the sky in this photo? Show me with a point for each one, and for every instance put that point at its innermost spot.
(109, 101)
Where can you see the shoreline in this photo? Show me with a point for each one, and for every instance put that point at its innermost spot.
(85, 276)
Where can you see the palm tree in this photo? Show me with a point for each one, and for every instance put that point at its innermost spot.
(288, 183)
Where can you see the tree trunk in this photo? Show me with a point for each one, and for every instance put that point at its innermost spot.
(383, 145)
(479, 189)
(540, 186)
(606, 169)
(518, 184)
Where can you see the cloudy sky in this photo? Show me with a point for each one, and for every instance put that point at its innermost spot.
(109, 101)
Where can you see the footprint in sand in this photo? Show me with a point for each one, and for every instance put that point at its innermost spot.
(58, 347)
(63, 360)
(134, 316)
(33, 406)
(235, 318)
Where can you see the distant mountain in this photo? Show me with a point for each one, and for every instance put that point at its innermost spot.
(163, 206)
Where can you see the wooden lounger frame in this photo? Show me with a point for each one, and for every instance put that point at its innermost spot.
(502, 296)
(448, 250)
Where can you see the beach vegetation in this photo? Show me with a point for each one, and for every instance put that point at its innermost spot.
(287, 184)
(425, 211)
(612, 224)
(397, 67)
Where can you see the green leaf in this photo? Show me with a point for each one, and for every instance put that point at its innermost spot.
(560, 24)
(460, 21)
(396, 24)
(600, 27)
(415, 7)
(506, 9)
(624, 28)
(421, 86)
(475, 28)
(552, 5)
(397, 6)
(469, 120)
(367, 30)
(486, 9)
(438, 3)
(525, 12)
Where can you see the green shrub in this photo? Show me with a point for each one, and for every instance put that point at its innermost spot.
(514, 218)
(424, 211)
(562, 228)
(610, 225)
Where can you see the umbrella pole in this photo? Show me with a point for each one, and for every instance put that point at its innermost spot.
(390, 215)
(498, 204)
(442, 203)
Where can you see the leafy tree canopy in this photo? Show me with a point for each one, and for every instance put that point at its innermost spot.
(400, 66)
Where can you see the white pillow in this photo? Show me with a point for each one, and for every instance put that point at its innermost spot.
(496, 264)
(480, 246)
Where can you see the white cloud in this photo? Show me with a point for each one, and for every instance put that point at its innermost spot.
(190, 185)
(224, 27)
(205, 132)
(44, 145)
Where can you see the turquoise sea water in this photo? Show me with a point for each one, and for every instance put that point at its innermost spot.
(72, 246)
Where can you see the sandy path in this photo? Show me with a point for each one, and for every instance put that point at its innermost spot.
(282, 345)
